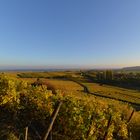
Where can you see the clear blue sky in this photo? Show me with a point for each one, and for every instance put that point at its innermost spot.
(69, 33)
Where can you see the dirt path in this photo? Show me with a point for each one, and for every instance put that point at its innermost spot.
(86, 90)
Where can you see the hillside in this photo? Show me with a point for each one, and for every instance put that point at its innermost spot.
(87, 110)
(136, 68)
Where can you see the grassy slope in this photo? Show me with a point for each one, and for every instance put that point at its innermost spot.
(115, 92)
(72, 88)
(105, 90)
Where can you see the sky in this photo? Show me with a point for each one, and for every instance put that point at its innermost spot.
(69, 33)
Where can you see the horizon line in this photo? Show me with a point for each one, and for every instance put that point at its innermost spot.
(60, 67)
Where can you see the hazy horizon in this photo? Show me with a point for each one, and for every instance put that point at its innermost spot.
(69, 34)
(58, 67)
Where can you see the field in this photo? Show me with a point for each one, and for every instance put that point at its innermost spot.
(115, 92)
(74, 89)
(72, 84)
(61, 81)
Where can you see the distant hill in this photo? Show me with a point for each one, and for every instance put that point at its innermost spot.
(136, 68)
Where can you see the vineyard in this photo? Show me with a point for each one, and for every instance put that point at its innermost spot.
(81, 116)
(132, 96)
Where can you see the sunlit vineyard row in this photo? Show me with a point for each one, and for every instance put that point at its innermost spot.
(115, 92)
(80, 117)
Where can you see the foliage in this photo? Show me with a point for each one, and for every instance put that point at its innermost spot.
(79, 117)
(123, 79)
